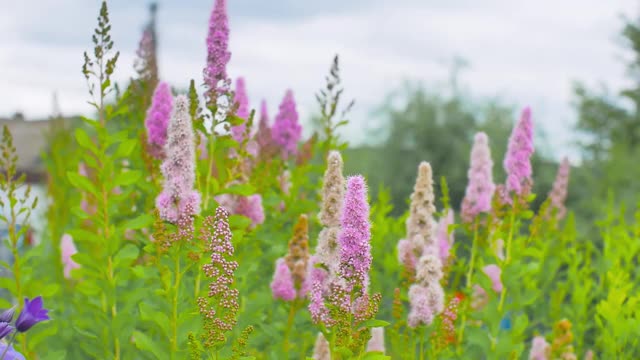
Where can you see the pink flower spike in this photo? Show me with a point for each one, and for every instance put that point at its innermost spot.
(286, 130)
(218, 55)
(494, 272)
(282, 285)
(242, 99)
(67, 250)
(157, 119)
(517, 161)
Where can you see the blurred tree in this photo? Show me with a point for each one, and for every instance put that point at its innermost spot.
(439, 130)
(609, 125)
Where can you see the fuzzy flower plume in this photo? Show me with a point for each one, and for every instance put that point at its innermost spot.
(539, 349)
(282, 286)
(376, 343)
(242, 99)
(426, 296)
(250, 207)
(286, 130)
(444, 239)
(178, 198)
(493, 271)
(68, 249)
(558, 193)
(290, 280)
(220, 310)
(158, 117)
(354, 237)
(263, 136)
(517, 161)
(327, 252)
(298, 257)
(420, 223)
(321, 349)
(480, 189)
(218, 55)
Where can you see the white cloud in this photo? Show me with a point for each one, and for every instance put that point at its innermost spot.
(525, 52)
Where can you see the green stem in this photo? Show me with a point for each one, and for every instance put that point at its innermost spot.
(292, 313)
(474, 245)
(209, 170)
(421, 348)
(174, 314)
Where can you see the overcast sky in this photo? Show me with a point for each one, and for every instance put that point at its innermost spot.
(524, 52)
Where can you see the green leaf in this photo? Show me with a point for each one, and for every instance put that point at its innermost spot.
(147, 313)
(84, 140)
(126, 255)
(139, 222)
(375, 355)
(239, 189)
(145, 343)
(127, 178)
(126, 147)
(372, 323)
(81, 182)
(235, 120)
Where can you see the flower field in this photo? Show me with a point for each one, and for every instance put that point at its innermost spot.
(185, 221)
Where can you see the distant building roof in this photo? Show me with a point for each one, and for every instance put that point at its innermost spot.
(30, 140)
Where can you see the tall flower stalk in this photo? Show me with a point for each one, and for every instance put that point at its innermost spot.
(218, 56)
(517, 161)
(286, 130)
(480, 188)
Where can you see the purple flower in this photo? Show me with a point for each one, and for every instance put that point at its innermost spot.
(480, 188)
(178, 198)
(11, 353)
(218, 55)
(158, 117)
(286, 131)
(558, 193)
(31, 314)
(7, 315)
(355, 249)
(242, 100)
(5, 329)
(517, 162)
(282, 285)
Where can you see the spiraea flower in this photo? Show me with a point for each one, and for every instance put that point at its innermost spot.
(250, 207)
(263, 135)
(517, 161)
(558, 193)
(376, 343)
(321, 349)
(158, 118)
(480, 188)
(286, 130)
(178, 198)
(218, 55)
(444, 238)
(32, 313)
(290, 278)
(68, 249)
(420, 223)
(426, 296)
(540, 349)
(282, 286)
(242, 101)
(355, 235)
(493, 271)
(219, 312)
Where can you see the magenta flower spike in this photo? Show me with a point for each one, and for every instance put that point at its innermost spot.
(558, 193)
(218, 55)
(282, 285)
(517, 161)
(286, 130)
(178, 198)
(242, 99)
(263, 136)
(480, 188)
(354, 237)
(158, 117)
(251, 207)
(68, 249)
(443, 238)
